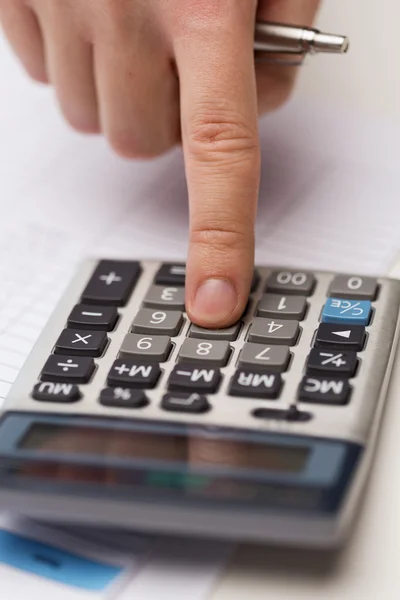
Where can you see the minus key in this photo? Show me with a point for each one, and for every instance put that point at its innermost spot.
(101, 318)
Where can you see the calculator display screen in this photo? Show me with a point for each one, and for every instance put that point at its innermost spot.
(190, 451)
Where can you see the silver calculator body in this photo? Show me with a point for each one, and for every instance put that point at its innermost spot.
(127, 415)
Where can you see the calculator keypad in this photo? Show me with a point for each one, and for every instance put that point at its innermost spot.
(155, 321)
(152, 348)
(274, 358)
(81, 343)
(213, 352)
(282, 307)
(299, 346)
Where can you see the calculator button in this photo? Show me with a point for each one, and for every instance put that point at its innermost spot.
(292, 414)
(48, 391)
(213, 352)
(273, 358)
(134, 374)
(185, 403)
(255, 384)
(342, 337)
(156, 348)
(81, 343)
(324, 390)
(74, 369)
(120, 397)
(160, 322)
(255, 282)
(327, 362)
(282, 307)
(189, 377)
(354, 287)
(291, 282)
(160, 296)
(171, 274)
(228, 334)
(351, 312)
(273, 331)
(112, 283)
(83, 316)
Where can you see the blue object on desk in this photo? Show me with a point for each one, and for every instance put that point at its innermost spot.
(54, 563)
(347, 312)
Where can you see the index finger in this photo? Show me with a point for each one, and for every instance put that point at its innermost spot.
(214, 54)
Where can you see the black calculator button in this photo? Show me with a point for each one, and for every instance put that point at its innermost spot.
(292, 414)
(171, 274)
(130, 373)
(279, 306)
(185, 403)
(73, 369)
(192, 378)
(341, 337)
(255, 384)
(120, 397)
(331, 362)
(291, 282)
(112, 283)
(81, 343)
(354, 287)
(49, 391)
(255, 282)
(85, 316)
(324, 390)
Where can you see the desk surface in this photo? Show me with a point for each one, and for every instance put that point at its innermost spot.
(366, 80)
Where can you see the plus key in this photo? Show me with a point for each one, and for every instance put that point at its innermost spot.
(111, 283)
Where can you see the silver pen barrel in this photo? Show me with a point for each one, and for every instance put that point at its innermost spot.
(288, 39)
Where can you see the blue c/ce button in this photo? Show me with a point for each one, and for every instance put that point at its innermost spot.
(347, 312)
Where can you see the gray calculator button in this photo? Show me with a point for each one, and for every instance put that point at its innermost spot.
(291, 282)
(354, 287)
(165, 296)
(213, 352)
(273, 358)
(228, 334)
(162, 322)
(274, 331)
(283, 307)
(153, 348)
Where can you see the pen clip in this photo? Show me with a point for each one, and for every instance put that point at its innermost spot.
(295, 60)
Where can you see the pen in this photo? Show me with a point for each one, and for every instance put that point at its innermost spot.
(278, 38)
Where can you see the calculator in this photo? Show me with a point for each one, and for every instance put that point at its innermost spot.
(128, 415)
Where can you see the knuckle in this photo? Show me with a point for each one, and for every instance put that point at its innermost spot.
(216, 131)
(81, 121)
(127, 146)
(220, 238)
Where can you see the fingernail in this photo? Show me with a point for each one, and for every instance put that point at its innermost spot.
(215, 300)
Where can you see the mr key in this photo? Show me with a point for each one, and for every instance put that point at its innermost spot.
(288, 398)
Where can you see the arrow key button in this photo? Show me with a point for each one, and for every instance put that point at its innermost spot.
(341, 337)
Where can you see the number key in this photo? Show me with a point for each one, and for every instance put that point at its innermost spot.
(273, 358)
(291, 282)
(155, 348)
(158, 322)
(215, 352)
(283, 307)
(354, 287)
(165, 297)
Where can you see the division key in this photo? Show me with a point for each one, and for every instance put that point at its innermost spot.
(112, 283)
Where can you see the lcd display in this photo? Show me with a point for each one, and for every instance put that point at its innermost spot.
(193, 451)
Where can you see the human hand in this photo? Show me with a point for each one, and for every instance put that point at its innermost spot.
(151, 73)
